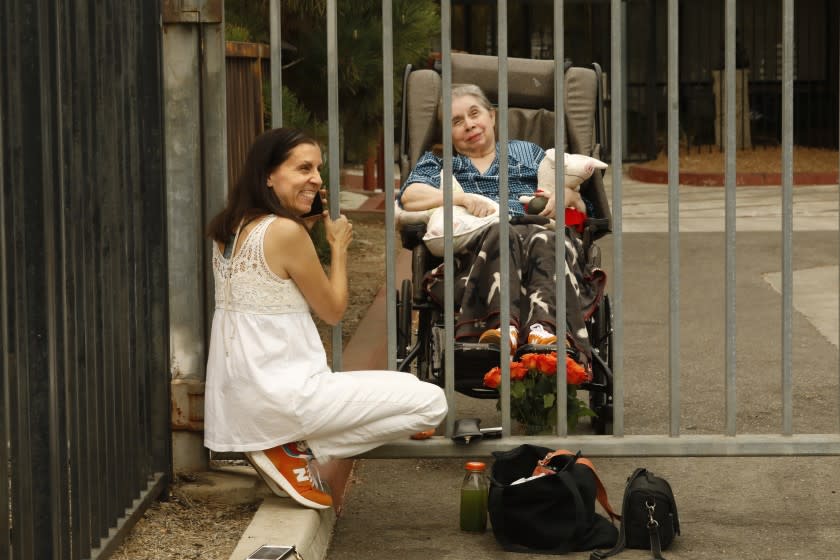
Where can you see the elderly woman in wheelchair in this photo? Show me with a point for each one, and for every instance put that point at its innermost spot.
(476, 170)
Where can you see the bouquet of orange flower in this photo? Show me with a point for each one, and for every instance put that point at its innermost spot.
(533, 391)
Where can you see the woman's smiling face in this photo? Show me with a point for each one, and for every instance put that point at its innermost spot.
(472, 126)
(297, 181)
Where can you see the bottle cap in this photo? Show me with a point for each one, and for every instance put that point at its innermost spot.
(475, 466)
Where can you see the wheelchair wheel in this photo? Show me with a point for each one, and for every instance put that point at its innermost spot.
(404, 319)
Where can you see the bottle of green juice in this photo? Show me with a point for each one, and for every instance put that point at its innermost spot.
(474, 498)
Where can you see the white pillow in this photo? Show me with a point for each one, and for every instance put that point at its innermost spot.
(465, 227)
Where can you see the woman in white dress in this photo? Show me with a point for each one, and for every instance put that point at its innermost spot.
(269, 391)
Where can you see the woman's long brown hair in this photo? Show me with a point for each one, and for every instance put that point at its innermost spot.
(251, 197)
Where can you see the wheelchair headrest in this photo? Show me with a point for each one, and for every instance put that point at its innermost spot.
(530, 102)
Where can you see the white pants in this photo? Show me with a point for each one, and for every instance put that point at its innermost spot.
(345, 414)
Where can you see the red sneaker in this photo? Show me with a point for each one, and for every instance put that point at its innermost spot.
(287, 467)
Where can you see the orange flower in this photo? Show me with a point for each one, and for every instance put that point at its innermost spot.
(547, 364)
(575, 374)
(518, 371)
(530, 361)
(493, 378)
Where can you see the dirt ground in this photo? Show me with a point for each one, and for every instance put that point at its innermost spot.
(181, 528)
(762, 159)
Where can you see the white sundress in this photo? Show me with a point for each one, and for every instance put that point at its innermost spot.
(268, 381)
(263, 347)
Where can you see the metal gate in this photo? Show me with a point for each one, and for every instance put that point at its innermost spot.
(84, 361)
(676, 442)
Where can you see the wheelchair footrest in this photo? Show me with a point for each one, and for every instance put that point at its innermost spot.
(472, 361)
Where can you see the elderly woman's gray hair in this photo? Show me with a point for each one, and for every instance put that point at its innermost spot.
(462, 90)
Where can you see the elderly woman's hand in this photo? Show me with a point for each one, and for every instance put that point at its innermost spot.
(572, 199)
(477, 205)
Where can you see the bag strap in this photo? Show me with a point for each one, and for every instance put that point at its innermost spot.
(600, 489)
(653, 533)
(621, 542)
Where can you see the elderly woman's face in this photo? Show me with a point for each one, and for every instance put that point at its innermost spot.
(472, 127)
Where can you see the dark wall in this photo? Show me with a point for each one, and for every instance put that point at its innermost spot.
(759, 23)
(84, 352)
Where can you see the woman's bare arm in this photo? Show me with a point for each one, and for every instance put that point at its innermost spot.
(290, 253)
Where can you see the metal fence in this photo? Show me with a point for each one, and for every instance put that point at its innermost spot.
(84, 351)
(675, 442)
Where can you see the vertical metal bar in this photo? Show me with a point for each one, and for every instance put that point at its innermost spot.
(6, 37)
(504, 212)
(616, 116)
(55, 279)
(560, 212)
(787, 214)
(674, 214)
(388, 127)
(333, 157)
(448, 260)
(838, 230)
(276, 46)
(729, 180)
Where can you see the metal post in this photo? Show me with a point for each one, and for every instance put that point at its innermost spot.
(617, 116)
(787, 214)
(674, 214)
(194, 108)
(388, 183)
(504, 210)
(448, 260)
(333, 157)
(560, 210)
(729, 179)
(276, 39)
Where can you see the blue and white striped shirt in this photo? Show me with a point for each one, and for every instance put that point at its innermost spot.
(524, 157)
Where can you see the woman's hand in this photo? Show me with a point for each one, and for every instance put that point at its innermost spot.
(339, 231)
(572, 199)
(476, 204)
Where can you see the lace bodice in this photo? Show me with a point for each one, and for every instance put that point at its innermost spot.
(245, 283)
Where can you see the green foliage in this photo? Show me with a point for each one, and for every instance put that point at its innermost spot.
(237, 33)
(295, 114)
(251, 15)
(359, 42)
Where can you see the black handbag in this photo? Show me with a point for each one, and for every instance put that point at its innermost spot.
(552, 513)
(649, 516)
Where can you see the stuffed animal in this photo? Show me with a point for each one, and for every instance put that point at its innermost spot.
(578, 168)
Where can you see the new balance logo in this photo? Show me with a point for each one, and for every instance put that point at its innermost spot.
(301, 474)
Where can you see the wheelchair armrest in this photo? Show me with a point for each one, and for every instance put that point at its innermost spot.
(411, 235)
(598, 227)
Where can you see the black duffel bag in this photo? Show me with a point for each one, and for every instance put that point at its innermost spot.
(553, 513)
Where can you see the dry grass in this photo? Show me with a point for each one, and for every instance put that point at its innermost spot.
(182, 528)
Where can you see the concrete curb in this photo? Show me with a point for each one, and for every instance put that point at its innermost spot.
(280, 521)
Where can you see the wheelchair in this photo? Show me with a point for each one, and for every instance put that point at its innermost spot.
(420, 333)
